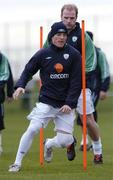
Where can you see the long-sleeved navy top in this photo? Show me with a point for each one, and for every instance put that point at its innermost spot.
(60, 73)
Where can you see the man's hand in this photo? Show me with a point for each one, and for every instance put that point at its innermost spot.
(102, 95)
(9, 99)
(65, 109)
(18, 92)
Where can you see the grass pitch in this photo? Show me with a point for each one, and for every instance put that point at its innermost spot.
(60, 168)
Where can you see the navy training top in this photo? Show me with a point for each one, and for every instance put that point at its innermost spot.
(60, 73)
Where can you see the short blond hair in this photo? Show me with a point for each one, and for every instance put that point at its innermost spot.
(69, 7)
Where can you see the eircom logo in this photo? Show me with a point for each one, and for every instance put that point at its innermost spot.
(59, 68)
(59, 76)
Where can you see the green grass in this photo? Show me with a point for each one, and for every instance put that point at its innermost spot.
(60, 168)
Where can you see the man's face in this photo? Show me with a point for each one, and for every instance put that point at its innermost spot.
(59, 39)
(69, 18)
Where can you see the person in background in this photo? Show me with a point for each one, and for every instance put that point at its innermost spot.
(6, 79)
(60, 73)
(100, 86)
(69, 14)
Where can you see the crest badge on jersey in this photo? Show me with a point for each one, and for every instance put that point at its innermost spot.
(66, 56)
(58, 67)
(74, 38)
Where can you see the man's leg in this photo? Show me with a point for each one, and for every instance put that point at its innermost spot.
(93, 131)
(1, 149)
(61, 140)
(24, 145)
(37, 117)
(64, 125)
(92, 127)
(1, 126)
(79, 123)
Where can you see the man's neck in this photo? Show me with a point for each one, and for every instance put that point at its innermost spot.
(71, 29)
